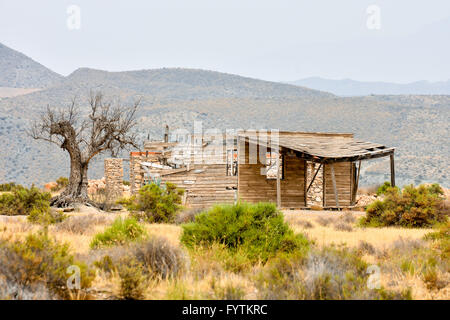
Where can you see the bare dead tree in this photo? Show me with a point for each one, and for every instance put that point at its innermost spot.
(104, 129)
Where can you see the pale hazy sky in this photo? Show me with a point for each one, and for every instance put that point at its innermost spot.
(277, 40)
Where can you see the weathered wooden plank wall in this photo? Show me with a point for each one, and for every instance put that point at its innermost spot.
(255, 187)
(205, 185)
(343, 172)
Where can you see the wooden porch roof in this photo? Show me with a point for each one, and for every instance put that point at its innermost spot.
(323, 147)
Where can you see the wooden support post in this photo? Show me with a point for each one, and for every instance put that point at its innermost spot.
(392, 169)
(278, 182)
(333, 180)
(227, 164)
(355, 188)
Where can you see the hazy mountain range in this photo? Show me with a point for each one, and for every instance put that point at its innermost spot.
(417, 125)
(348, 87)
(19, 71)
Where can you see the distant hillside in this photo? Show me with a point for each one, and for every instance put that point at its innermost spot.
(348, 87)
(154, 87)
(186, 84)
(416, 125)
(19, 71)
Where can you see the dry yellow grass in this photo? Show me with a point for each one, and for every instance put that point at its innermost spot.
(206, 277)
(326, 235)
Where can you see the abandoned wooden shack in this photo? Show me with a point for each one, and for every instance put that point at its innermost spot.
(329, 162)
(206, 169)
(294, 169)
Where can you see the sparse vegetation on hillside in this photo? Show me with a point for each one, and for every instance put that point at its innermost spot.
(410, 207)
(179, 96)
(19, 71)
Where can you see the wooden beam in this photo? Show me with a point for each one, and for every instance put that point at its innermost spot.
(392, 169)
(314, 177)
(324, 190)
(278, 182)
(355, 188)
(305, 171)
(333, 180)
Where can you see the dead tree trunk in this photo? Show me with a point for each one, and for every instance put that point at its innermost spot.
(77, 189)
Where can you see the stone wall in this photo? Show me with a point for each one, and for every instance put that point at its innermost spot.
(315, 193)
(136, 170)
(113, 179)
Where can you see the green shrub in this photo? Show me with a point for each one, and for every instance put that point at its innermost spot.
(23, 201)
(442, 238)
(61, 183)
(132, 279)
(154, 203)
(46, 217)
(384, 188)
(120, 232)
(40, 260)
(9, 186)
(412, 207)
(259, 230)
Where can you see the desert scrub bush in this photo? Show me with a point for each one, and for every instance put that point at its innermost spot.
(61, 183)
(158, 258)
(385, 188)
(35, 291)
(331, 273)
(420, 259)
(154, 203)
(410, 207)
(441, 238)
(139, 264)
(120, 232)
(343, 226)
(304, 224)
(46, 217)
(40, 261)
(22, 201)
(365, 247)
(4, 187)
(347, 217)
(188, 215)
(133, 282)
(258, 230)
(82, 224)
(227, 290)
(324, 221)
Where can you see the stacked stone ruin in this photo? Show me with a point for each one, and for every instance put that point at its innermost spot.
(113, 179)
